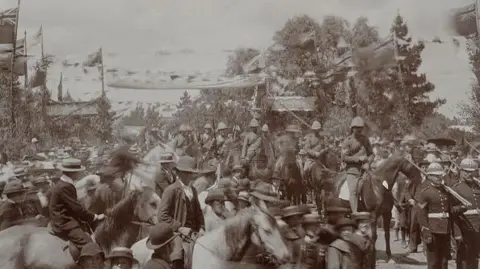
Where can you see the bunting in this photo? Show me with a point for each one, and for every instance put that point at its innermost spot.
(6, 38)
(9, 16)
(18, 66)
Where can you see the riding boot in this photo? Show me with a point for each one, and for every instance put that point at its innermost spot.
(177, 264)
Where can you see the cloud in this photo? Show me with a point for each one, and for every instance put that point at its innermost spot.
(124, 25)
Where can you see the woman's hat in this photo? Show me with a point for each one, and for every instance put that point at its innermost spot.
(264, 191)
(215, 195)
(295, 210)
(122, 252)
(160, 235)
(89, 250)
(345, 222)
(71, 165)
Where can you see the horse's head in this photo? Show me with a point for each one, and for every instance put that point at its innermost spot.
(147, 205)
(266, 234)
(389, 169)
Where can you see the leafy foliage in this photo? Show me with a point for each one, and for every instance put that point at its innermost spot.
(104, 119)
(471, 109)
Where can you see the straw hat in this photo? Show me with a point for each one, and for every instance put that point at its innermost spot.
(71, 165)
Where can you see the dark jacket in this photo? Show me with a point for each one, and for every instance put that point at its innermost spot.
(65, 210)
(156, 264)
(173, 207)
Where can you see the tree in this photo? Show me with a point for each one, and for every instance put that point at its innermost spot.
(104, 119)
(136, 117)
(471, 109)
(185, 101)
(153, 118)
(409, 88)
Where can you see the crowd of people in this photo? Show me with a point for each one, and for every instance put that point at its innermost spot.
(199, 195)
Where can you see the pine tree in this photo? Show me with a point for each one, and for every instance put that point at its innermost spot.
(185, 101)
(411, 89)
(68, 97)
(104, 120)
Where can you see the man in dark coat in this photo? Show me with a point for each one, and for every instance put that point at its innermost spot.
(180, 206)
(67, 214)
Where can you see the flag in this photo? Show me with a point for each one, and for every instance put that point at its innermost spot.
(94, 59)
(39, 78)
(37, 38)
(9, 16)
(463, 20)
(19, 64)
(256, 64)
(381, 54)
(60, 89)
(6, 38)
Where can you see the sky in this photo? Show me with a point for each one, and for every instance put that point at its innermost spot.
(132, 28)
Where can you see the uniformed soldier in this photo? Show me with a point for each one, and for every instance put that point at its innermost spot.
(182, 140)
(221, 136)
(469, 223)
(251, 143)
(207, 135)
(435, 218)
(314, 147)
(358, 155)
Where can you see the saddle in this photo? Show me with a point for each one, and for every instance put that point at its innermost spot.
(68, 245)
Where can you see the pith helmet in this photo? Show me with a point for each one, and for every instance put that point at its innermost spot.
(316, 126)
(221, 126)
(254, 123)
(357, 122)
(469, 165)
(208, 126)
(293, 128)
(265, 128)
(435, 169)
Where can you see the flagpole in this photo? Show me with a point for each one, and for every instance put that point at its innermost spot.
(477, 16)
(102, 73)
(25, 64)
(12, 98)
(41, 41)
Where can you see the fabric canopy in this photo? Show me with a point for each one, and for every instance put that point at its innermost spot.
(234, 82)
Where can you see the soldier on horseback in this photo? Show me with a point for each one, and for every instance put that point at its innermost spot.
(314, 147)
(358, 155)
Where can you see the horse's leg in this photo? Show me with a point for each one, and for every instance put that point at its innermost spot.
(387, 218)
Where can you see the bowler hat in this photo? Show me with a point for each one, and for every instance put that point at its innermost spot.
(15, 186)
(345, 222)
(264, 192)
(122, 252)
(294, 210)
(160, 235)
(215, 195)
(89, 250)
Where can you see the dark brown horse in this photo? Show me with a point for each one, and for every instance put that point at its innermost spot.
(326, 166)
(33, 247)
(375, 194)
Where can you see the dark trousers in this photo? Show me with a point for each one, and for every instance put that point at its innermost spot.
(77, 236)
(414, 235)
(468, 250)
(438, 251)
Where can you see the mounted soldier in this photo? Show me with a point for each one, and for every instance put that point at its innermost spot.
(314, 147)
(358, 155)
(251, 144)
(182, 141)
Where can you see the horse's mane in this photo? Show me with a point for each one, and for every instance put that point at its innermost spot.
(390, 165)
(119, 217)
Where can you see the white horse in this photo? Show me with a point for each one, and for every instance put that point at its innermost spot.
(222, 247)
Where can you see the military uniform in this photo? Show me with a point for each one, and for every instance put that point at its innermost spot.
(435, 219)
(353, 148)
(179, 144)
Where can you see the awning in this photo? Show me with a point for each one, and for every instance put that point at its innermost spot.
(221, 83)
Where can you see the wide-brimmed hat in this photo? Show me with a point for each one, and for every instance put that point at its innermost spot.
(160, 235)
(293, 128)
(338, 210)
(263, 191)
(71, 165)
(362, 217)
(243, 195)
(89, 250)
(122, 252)
(166, 158)
(312, 218)
(295, 210)
(238, 167)
(40, 180)
(19, 172)
(215, 195)
(187, 164)
(345, 222)
(14, 186)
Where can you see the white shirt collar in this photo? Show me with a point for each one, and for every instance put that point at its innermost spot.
(66, 179)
